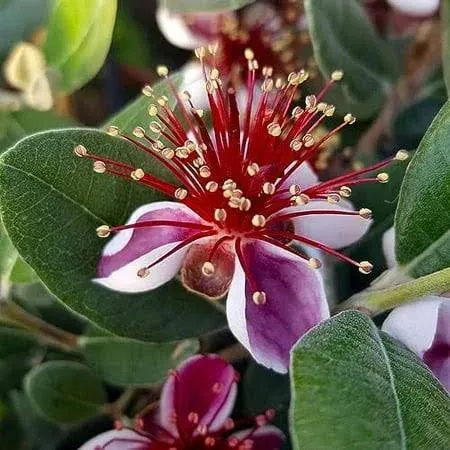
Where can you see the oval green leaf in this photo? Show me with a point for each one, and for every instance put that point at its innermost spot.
(51, 204)
(127, 362)
(78, 40)
(354, 387)
(64, 391)
(422, 219)
(341, 35)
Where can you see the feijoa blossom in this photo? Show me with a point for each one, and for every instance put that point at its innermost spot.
(245, 192)
(423, 324)
(271, 28)
(194, 414)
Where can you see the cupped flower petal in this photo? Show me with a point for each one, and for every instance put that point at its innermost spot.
(193, 83)
(304, 176)
(178, 32)
(416, 8)
(132, 249)
(265, 438)
(388, 243)
(201, 392)
(119, 440)
(294, 302)
(424, 327)
(335, 231)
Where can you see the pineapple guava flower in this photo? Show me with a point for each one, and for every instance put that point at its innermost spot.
(246, 192)
(423, 324)
(194, 414)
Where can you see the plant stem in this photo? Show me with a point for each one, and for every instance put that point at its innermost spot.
(13, 313)
(375, 301)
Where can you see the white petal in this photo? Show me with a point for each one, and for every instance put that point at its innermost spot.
(304, 177)
(335, 231)
(175, 29)
(194, 84)
(133, 249)
(104, 438)
(415, 323)
(417, 8)
(389, 248)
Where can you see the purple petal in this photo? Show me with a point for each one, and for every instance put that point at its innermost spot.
(335, 231)
(304, 176)
(295, 302)
(265, 438)
(132, 249)
(437, 357)
(201, 392)
(118, 440)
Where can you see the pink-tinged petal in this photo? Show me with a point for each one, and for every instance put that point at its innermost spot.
(416, 8)
(295, 302)
(132, 249)
(304, 176)
(118, 440)
(415, 323)
(437, 357)
(265, 438)
(202, 391)
(388, 243)
(335, 231)
(178, 32)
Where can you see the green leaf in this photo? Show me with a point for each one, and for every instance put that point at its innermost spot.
(78, 40)
(22, 273)
(13, 341)
(19, 19)
(189, 6)
(136, 113)
(128, 362)
(344, 39)
(62, 202)
(445, 20)
(355, 387)
(423, 214)
(64, 391)
(17, 125)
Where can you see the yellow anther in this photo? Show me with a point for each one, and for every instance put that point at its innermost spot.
(258, 220)
(259, 297)
(229, 184)
(214, 75)
(253, 169)
(345, 191)
(137, 174)
(212, 48)
(168, 153)
(365, 213)
(181, 193)
(112, 130)
(204, 171)
(295, 189)
(211, 186)
(147, 90)
(365, 267)
(162, 71)
(99, 167)
(220, 215)
(200, 52)
(103, 231)
(268, 188)
(249, 54)
(300, 200)
(311, 101)
(333, 198)
(139, 132)
(153, 110)
(329, 110)
(245, 204)
(80, 150)
(274, 129)
(143, 273)
(337, 75)
(314, 263)
(296, 145)
(350, 119)
(308, 140)
(383, 177)
(401, 155)
(155, 127)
